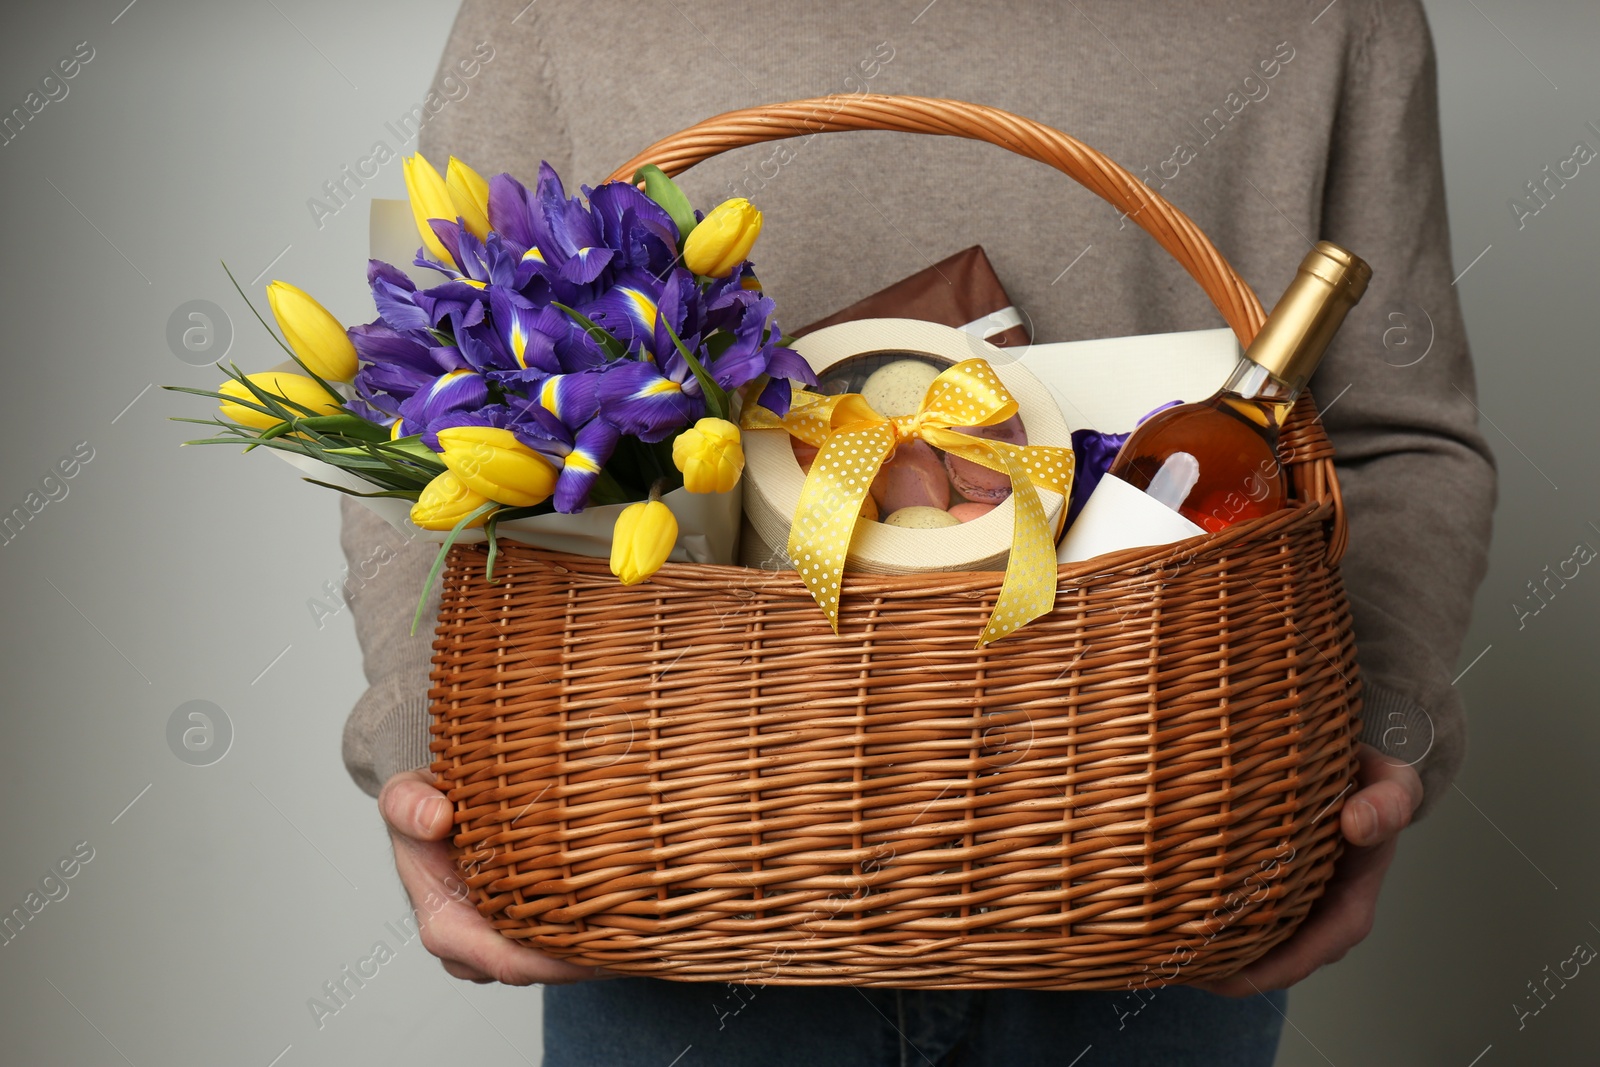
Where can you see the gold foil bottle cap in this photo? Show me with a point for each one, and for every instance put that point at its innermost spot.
(1328, 284)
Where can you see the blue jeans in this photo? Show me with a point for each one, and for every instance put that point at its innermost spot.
(647, 1022)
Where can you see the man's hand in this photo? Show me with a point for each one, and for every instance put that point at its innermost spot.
(1371, 821)
(419, 821)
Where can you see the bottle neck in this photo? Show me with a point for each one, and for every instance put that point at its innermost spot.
(1291, 342)
(1257, 395)
(1251, 381)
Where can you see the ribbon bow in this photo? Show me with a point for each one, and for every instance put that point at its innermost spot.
(854, 441)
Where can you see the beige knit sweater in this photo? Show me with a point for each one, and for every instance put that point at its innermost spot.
(1271, 124)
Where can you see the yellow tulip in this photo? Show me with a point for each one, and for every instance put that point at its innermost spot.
(722, 240)
(709, 455)
(469, 192)
(642, 540)
(295, 387)
(312, 332)
(494, 464)
(430, 199)
(445, 501)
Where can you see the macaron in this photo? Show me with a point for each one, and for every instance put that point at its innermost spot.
(969, 511)
(913, 477)
(804, 454)
(922, 518)
(897, 388)
(978, 483)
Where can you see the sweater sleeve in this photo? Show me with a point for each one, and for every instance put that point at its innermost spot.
(387, 730)
(1397, 387)
(505, 121)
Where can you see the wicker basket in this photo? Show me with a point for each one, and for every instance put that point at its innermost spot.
(695, 779)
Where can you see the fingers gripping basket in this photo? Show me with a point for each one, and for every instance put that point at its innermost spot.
(695, 779)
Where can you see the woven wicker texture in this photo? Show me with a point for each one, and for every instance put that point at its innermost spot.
(693, 778)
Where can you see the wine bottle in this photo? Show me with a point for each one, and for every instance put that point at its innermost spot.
(1215, 462)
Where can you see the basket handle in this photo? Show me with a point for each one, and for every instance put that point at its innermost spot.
(1311, 454)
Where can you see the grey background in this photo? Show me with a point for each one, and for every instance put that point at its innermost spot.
(226, 895)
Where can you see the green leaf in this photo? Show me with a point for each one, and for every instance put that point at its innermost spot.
(292, 355)
(214, 441)
(664, 191)
(405, 466)
(494, 547)
(197, 392)
(718, 343)
(671, 478)
(716, 396)
(597, 333)
(640, 464)
(242, 402)
(400, 494)
(607, 490)
(412, 446)
(388, 453)
(438, 560)
(240, 290)
(443, 338)
(208, 422)
(345, 425)
(278, 406)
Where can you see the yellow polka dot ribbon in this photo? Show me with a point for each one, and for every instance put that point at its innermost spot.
(854, 441)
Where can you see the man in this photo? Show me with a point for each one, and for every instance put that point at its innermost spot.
(1271, 125)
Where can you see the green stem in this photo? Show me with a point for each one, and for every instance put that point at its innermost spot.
(438, 560)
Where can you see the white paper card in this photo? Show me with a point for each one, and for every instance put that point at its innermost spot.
(1118, 516)
(1110, 383)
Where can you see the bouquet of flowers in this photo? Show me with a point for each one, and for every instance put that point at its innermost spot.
(575, 352)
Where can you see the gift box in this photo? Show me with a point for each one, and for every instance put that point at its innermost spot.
(960, 291)
(774, 478)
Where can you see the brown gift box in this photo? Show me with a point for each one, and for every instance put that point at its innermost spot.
(962, 291)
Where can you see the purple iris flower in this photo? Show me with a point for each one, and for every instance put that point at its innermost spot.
(452, 306)
(564, 232)
(580, 453)
(640, 400)
(481, 268)
(639, 229)
(515, 342)
(522, 345)
(747, 315)
(395, 296)
(457, 390)
(754, 350)
(572, 398)
(573, 249)
(522, 363)
(395, 364)
(627, 310)
(657, 395)
(511, 211)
